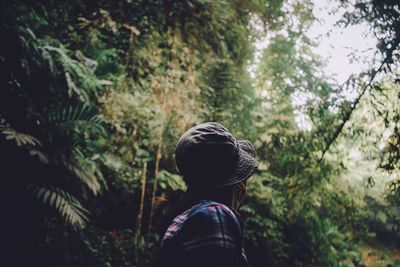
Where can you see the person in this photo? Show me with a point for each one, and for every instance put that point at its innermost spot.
(207, 231)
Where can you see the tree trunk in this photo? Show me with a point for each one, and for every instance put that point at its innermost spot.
(154, 189)
(140, 213)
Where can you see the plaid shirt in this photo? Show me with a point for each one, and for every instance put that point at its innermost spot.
(209, 234)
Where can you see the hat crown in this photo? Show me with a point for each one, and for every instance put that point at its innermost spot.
(206, 154)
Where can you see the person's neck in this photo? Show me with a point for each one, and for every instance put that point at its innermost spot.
(221, 195)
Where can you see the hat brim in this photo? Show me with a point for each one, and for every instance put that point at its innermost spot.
(246, 164)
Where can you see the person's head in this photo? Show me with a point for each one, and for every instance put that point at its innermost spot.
(214, 164)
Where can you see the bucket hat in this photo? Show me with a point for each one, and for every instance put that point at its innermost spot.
(209, 156)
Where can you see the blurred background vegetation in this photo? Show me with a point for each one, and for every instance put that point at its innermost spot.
(95, 94)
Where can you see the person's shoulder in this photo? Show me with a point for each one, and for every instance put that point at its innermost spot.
(212, 209)
(211, 225)
(211, 216)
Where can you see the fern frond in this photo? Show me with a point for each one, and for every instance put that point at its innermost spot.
(41, 155)
(69, 208)
(81, 112)
(20, 139)
(80, 79)
(86, 170)
(78, 127)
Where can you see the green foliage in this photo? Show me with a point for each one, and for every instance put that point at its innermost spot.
(80, 80)
(90, 246)
(68, 206)
(82, 112)
(170, 182)
(264, 212)
(322, 242)
(383, 19)
(20, 139)
(95, 97)
(345, 212)
(278, 234)
(54, 126)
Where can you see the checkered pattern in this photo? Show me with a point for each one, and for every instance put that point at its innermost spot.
(208, 234)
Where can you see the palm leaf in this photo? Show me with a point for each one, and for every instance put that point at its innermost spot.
(64, 203)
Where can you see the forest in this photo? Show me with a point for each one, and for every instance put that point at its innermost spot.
(94, 96)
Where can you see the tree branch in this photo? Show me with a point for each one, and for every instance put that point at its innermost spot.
(347, 116)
